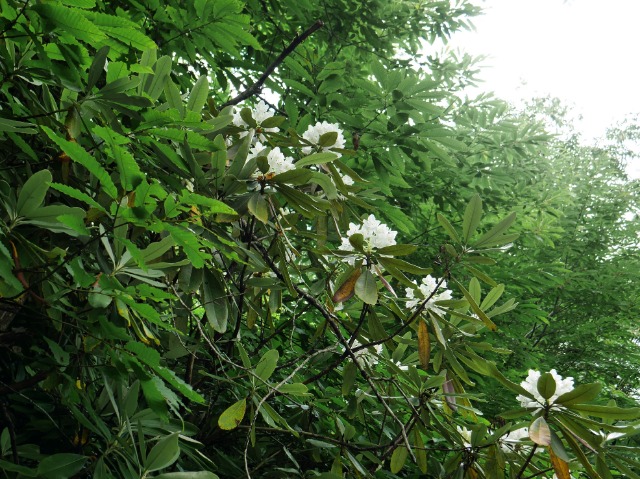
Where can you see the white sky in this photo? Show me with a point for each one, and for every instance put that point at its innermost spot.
(586, 52)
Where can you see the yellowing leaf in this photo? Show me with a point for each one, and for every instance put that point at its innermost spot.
(346, 290)
(233, 415)
(424, 345)
(539, 432)
(560, 467)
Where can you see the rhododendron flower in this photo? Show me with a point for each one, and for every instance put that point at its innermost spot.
(278, 163)
(466, 435)
(313, 134)
(255, 150)
(427, 288)
(347, 180)
(375, 234)
(514, 439)
(367, 356)
(531, 385)
(260, 113)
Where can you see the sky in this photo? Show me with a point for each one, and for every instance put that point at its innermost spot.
(585, 52)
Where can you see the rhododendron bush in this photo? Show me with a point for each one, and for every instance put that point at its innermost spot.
(208, 267)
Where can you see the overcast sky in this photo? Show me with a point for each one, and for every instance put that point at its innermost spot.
(586, 52)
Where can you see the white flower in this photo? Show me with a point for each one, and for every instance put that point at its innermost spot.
(466, 435)
(260, 113)
(531, 384)
(278, 163)
(513, 439)
(255, 150)
(313, 134)
(366, 357)
(375, 234)
(347, 180)
(428, 288)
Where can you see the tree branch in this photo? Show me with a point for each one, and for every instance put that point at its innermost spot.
(257, 86)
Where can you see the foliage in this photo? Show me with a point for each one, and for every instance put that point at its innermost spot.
(197, 288)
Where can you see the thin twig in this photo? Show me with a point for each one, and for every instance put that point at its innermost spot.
(257, 86)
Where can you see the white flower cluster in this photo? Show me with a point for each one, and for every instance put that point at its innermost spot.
(375, 234)
(513, 440)
(531, 384)
(466, 435)
(260, 113)
(313, 134)
(278, 163)
(367, 357)
(428, 287)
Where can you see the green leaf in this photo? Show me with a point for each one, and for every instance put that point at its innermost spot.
(233, 415)
(61, 466)
(187, 475)
(494, 234)
(398, 458)
(267, 364)
(546, 385)
(77, 195)
(607, 412)
(163, 454)
(130, 174)
(33, 193)
(79, 155)
(366, 288)
(472, 216)
(97, 67)
(199, 94)
(295, 389)
(349, 373)
(216, 304)
(398, 250)
(316, 159)
(69, 22)
(259, 207)
(492, 297)
(476, 309)
(580, 394)
(539, 432)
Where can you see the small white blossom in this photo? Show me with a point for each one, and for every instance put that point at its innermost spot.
(313, 134)
(255, 150)
(513, 439)
(428, 288)
(375, 234)
(366, 357)
(260, 113)
(278, 163)
(347, 180)
(466, 435)
(531, 384)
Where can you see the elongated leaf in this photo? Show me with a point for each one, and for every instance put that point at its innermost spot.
(69, 22)
(580, 394)
(216, 304)
(398, 458)
(79, 155)
(476, 309)
(97, 67)
(187, 475)
(199, 94)
(539, 432)
(607, 412)
(495, 232)
(424, 344)
(366, 288)
(347, 289)
(546, 385)
(33, 192)
(163, 454)
(233, 415)
(316, 159)
(349, 374)
(444, 222)
(472, 216)
(267, 364)
(61, 466)
(560, 467)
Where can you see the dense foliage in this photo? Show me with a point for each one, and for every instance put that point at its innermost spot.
(274, 239)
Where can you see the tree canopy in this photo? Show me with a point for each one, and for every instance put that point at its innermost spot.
(276, 238)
